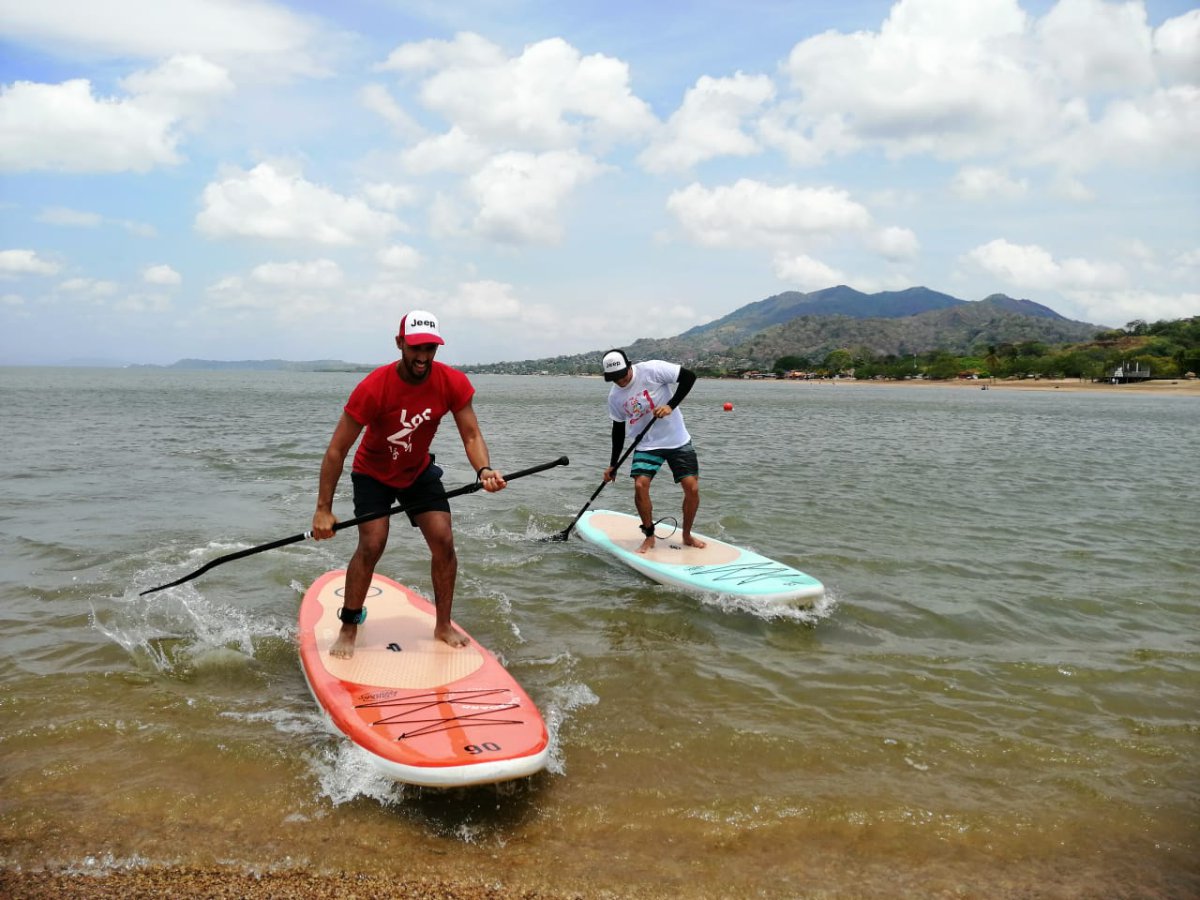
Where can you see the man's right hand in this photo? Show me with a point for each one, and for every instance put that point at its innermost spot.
(608, 475)
(322, 524)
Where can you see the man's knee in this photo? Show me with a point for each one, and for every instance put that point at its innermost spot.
(439, 536)
(370, 549)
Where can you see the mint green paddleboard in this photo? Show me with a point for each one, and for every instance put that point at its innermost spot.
(717, 568)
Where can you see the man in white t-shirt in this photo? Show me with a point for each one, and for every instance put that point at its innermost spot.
(641, 398)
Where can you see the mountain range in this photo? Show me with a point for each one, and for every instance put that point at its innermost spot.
(887, 323)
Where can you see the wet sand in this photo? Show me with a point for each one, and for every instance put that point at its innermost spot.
(142, 884)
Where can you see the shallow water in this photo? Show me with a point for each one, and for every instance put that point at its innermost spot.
(998, 696)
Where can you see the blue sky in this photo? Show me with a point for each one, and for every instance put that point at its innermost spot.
(234, 179)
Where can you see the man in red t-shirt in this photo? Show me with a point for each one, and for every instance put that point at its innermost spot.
(400, 406)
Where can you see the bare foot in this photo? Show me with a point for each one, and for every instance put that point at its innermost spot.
(451, 636)
(343, 647)
(690, 541)
(647, 545)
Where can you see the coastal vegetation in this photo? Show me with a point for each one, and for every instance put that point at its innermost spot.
(1167, 349)
(912, 333)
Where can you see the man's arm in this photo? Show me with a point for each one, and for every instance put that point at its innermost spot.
(687, 378)
(618, 439)
(477, 449)
(344, 436)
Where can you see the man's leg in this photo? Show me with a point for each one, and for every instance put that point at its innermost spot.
(436, 527)
(372, 539)
(691, 503)
(641, 499)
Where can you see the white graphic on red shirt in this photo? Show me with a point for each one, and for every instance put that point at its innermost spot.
(402, 439)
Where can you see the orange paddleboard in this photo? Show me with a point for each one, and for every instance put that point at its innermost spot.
(425, 712)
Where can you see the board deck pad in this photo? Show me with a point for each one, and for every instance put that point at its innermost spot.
(426, 713)
(717, 568)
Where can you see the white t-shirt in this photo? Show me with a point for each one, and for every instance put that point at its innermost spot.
(652, 385)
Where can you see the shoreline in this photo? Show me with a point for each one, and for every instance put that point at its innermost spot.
(1173, 387)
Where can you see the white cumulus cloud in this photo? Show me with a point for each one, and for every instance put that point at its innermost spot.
(750, 213)
(272, 202)
(895, 243)
(710, 123)
(519, 195)
(64, 127)
(1087, 83)
(161, 274)
(1177, 42)
(259, 37)
(1031, 267)
(184, 85)
(25, 262)
(549, 97)
(806, 273)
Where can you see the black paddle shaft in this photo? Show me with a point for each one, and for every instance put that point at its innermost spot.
(358, 520)
(566, 532)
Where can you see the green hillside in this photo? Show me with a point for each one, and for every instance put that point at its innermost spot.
(867, 328)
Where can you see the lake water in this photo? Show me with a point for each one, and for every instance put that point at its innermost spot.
(999, 696)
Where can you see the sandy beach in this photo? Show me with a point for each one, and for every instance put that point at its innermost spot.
(142, 884)
(1172, 387)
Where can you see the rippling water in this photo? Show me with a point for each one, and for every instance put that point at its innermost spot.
(998, 696)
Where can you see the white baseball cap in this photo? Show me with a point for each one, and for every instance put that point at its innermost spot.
(420, 327)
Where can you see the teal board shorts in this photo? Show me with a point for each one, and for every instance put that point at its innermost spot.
(682, 462)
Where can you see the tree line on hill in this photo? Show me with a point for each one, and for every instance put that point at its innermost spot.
(1167, 349)
(843, 347)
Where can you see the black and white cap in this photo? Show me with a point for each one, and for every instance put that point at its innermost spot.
(615, 365)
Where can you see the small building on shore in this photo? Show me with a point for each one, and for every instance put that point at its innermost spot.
(1126, 374)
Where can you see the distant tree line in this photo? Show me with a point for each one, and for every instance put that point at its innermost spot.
(1169, 349)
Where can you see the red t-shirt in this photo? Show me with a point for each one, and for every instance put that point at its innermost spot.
(401, 419)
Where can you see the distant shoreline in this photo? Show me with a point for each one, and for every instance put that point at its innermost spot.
(1174, 386)
(1170, 387)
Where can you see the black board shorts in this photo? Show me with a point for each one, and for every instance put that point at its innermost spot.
(424, 495)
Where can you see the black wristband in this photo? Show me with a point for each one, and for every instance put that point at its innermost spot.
(479, 472)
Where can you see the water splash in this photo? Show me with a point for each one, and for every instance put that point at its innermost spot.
(180, 632)
(771, 610)
(565, 700)
(345, 773)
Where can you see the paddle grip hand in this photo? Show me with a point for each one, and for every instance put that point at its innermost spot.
(493, 481)
(324, 523)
